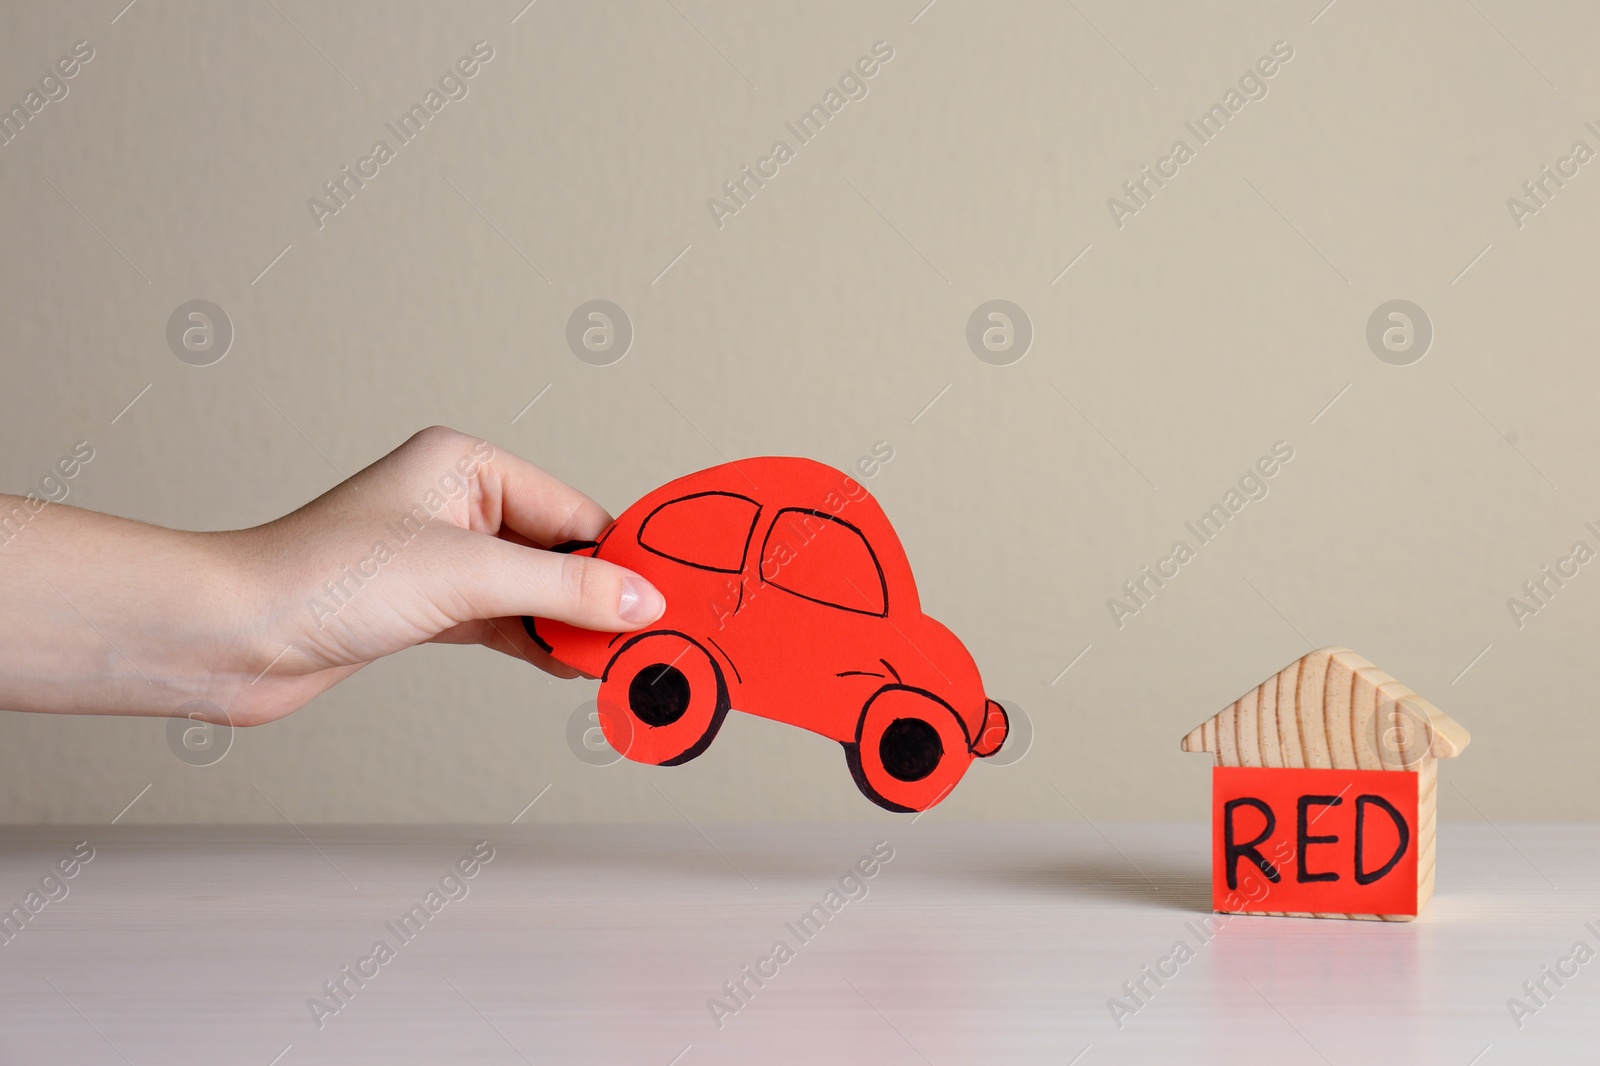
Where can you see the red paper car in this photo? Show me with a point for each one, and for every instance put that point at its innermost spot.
(788, 596)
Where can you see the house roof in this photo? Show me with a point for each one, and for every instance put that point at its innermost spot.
(1331, 709)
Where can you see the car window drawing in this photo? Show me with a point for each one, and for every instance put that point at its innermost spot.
(707, 530)
(821, 557)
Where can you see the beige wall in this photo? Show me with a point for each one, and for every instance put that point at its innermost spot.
(821, 318)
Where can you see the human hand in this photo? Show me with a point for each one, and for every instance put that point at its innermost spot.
(439, 541)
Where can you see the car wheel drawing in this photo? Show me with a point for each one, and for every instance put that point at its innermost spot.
(662, 699)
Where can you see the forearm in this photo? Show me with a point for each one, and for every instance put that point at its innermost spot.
(437, 541)
(103, 615)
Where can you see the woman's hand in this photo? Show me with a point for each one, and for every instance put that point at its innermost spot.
(440, 540)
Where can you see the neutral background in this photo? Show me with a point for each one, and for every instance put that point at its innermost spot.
(824, 317)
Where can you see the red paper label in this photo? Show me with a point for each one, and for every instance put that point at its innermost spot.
(1326, 841)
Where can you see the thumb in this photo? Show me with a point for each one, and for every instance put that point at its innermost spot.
(500, 579)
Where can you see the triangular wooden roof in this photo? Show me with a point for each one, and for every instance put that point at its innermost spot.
(1331, 709)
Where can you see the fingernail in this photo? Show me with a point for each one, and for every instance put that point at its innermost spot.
(640, 603)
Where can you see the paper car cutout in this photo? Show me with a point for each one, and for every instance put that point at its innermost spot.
(788, 596)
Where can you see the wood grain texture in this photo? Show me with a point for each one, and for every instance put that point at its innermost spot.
(1335, 710)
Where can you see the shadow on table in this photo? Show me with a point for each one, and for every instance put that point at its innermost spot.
(1168, 885)
(1030, 860)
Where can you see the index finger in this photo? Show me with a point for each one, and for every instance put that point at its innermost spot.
(516, 495)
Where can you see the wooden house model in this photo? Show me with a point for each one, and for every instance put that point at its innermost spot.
(1323, 792)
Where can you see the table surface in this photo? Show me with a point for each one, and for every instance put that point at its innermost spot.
(599, 944)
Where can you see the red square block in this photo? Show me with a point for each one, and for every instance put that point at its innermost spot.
(1298, 841)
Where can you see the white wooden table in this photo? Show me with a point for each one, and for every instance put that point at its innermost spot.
(973, 944)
